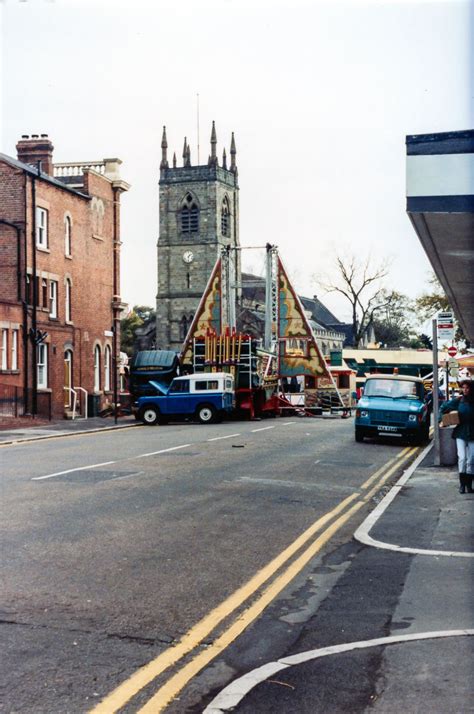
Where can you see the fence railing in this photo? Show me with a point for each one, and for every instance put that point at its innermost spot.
(17, 402)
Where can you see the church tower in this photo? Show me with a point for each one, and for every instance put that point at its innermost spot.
(199, 214)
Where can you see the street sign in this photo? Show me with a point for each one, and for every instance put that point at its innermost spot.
(452, 351)
(445, 324)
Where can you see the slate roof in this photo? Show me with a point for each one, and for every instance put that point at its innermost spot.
(40, 174)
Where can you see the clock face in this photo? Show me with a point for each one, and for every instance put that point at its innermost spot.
(188, 257)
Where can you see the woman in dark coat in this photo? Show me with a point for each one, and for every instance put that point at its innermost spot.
(464, 433)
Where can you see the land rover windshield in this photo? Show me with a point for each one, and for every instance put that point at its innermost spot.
(393, 389)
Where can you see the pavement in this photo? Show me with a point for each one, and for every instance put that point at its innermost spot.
(63, 427)
(423, 532)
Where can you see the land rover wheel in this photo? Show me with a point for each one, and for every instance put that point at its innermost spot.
(359, 434)
(149, 416)
(206, 413)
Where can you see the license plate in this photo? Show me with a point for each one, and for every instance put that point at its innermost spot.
(387, 428)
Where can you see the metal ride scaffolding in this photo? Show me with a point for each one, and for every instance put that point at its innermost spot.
(253, 363)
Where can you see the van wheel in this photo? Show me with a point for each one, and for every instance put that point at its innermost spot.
(359, 434)
(206, 414)
(149, 415)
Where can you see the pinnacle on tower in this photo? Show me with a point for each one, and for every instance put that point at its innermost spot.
(164, 147)
(213, 161)
(188, 156)
(174, 159)
(224, 160)
(185, 151)
(233, 152)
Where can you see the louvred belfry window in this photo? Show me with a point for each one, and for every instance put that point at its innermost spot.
(225, 215)
(189, 215)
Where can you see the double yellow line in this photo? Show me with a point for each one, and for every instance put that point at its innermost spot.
(196, 635)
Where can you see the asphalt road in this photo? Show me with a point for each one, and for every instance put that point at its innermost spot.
(114, 545)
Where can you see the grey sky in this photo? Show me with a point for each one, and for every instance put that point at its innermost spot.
(320, 96)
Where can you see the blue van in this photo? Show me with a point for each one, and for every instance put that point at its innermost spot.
(393, 406)
(204, 396)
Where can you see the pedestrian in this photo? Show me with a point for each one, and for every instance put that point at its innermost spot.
(463, 433)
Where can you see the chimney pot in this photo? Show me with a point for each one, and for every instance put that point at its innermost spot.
(36, 151)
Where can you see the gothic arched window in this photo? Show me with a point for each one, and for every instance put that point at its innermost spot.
(225, 217)
(189, 215)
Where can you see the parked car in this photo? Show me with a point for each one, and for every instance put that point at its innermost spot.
(203, 396)
(393, 406)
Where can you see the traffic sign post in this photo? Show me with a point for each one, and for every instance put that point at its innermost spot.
(445, 326)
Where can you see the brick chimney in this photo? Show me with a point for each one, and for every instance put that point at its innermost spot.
(36, 148)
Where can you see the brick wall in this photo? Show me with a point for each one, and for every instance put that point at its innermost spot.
(89, 270)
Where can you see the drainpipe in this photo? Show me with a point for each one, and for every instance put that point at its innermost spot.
(115, 303)
(34, 354)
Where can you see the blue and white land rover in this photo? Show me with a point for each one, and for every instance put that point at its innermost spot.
(393, 406)
(204, 396)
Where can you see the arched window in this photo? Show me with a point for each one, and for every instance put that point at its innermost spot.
(225, 217)
(96, 368)
(107, 368)
(67, 301)
(67, 237)
(189, 215)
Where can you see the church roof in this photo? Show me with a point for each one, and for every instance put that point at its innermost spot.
(253, 288)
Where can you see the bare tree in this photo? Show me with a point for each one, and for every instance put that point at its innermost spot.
(361, 284)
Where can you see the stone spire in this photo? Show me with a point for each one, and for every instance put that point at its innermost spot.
(233, 152)
(164, 148)
(188, 156)
(213, 161)
(224, 160)
(174, 159)
(185, 151)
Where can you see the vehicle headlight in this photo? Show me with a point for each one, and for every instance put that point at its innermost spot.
(412, 417)
(364, 413)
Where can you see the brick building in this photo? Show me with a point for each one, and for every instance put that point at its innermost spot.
(59, 279)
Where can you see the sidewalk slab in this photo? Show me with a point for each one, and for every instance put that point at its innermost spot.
(64, 427)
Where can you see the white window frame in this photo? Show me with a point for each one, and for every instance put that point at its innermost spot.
(4, 349)
(41, 227)
(67, 237)
(53, 298)
(14, 350)
(67, 301)
(107, 368)
(42, 366)
(97, 356)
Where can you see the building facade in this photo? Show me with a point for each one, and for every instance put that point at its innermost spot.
(59, 279)
(199, 214)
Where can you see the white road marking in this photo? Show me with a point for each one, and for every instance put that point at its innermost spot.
(120, 478)
(263, 428)
(108, 463)
(362, 533)
(229, 436)
(70, 471)
(233, 694)
(161, 451)
(288, 423)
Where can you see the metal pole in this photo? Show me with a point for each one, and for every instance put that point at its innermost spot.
(437, 459)
(268, 298)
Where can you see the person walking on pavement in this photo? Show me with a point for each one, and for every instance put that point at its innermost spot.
(463, 433)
